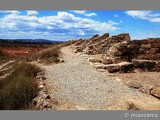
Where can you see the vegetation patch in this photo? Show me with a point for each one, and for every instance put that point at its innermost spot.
(19, 88)
(50, 55)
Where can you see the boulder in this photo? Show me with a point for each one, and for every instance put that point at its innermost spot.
(144, 64)
(116, 60)
(121, 51)
(126, 67)
(107, 61)
(112, 68)
(95, 36)
(155, 91)
(134, 84)
(119, 38)
(104, 36)
(100, 66)
(146, 89)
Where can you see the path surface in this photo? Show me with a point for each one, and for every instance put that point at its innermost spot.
(78, 85)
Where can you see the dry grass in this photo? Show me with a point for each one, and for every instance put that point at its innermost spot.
(50, 55)
(19, 88)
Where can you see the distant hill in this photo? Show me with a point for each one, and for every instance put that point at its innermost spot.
(30, 41)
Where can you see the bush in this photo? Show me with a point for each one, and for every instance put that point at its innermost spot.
(19, 88)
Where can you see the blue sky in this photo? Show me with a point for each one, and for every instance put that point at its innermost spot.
(74, 24)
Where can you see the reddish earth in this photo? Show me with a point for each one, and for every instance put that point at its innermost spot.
(20, 50)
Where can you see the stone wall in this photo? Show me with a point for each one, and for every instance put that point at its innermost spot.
(144, 54)
(149, 49)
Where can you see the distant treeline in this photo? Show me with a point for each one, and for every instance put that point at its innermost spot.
(29, 41)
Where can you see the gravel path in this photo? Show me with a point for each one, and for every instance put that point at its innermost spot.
(77, 82)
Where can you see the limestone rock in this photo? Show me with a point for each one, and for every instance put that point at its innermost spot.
(112, 68)
(126, 67)
(134, 84)
(144, 64)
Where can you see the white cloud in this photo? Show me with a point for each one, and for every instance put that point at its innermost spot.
(10, 11)
(79, 11)
(84, 12)
(90, 14)
(31, 12)
(144, 15)
(144, 35)
(64, 25)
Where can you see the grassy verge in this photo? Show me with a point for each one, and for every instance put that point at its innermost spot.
(50, 55)
(19, 88)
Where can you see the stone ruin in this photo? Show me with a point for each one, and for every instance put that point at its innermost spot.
(121, 54)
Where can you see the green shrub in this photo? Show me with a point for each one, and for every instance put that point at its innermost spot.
(19, 88)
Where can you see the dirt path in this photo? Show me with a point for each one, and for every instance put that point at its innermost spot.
(77, 85)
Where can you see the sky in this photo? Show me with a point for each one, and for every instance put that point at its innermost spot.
(63, 25)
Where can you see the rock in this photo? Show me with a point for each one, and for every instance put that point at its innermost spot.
(153, 50)
(142, 51)
(118, 49)
(116, 60)
(121, 51)
(146, 46)
(112, 68)
(79, 49)
(95, 36)
(134, 84)
(79, 42)
(156, 45)
(107, 61)
(46, 96)
(93, 60)
(100, 66)
(126, 67)
(155, 91)
(144, 64)
(157, 68)
(119, 38)
(104, 36)
(45, 104)
(41, 86)
(146, 89)
(61, 59)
